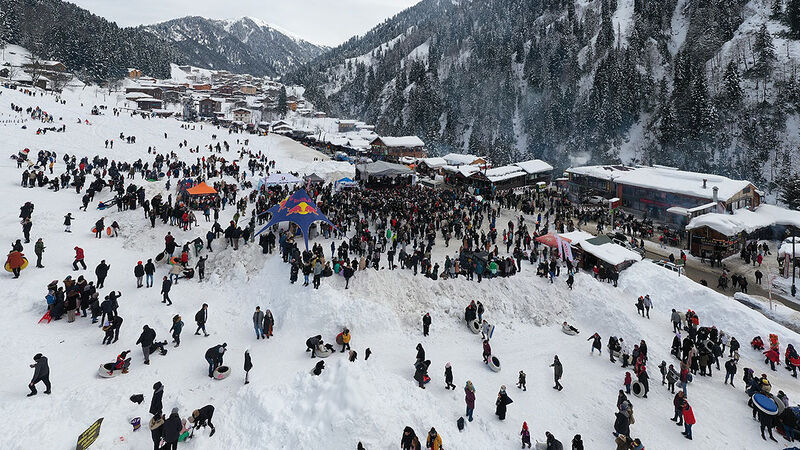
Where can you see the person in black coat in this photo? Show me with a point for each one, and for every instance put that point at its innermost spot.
(146, 340)
(155, 404)
(138, 272)
(426, 324)
(420, 353)
(171, 430)
(214, 356)
(201, 317)
(202, 417)
(41, 372)
(166, 286)
(448, 377)
(248, 364)
(149, 270)
(421, 371)
(503, 400)
(622, 425)
(102, 272)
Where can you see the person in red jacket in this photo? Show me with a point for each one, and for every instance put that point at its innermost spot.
(772, 357)
(78, 259)
(15, 262)
(628, 382)
(688, 420)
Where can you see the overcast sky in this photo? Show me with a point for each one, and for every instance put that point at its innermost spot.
(328, 22)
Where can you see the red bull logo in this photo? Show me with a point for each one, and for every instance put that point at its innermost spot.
(302, 208)
(282, 204)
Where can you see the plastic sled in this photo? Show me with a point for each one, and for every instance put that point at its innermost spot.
(494, 364)
(24, 265)
(46, 317)
(174, 260)
(426, 379)
(108, 231)
(766, 404)
(160, 257)
(221, 372)
(475, 326)
(106, 371)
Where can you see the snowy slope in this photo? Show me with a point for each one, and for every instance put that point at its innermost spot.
(370, 401)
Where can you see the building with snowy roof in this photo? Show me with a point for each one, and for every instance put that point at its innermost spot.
(525, 173)
(392, 148)
(664, 194)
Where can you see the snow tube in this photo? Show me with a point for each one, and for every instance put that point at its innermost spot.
(160, 257)
(323, 352)
(339, 339)
(494, 364)
(106, 371)
(766, 404)
(637, 389)
(474, 326)
(24, 265)
(108, 231)
(567, 330)
(174, 260)
(221, 372)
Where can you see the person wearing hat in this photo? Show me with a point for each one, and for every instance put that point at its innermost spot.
(448, 377)
(171, 430)
(156, 430)
(214, 357)
(503, 400)
(41, 372)
(202, 417)
(526, 435)
(138, 272)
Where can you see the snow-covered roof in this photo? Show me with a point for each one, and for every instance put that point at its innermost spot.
(610, 252)
(502, 173)
(577, 236)
(534, 166)
(401, 141)
(435, 163)
(458, 159)
(746, 220)
(666, 179)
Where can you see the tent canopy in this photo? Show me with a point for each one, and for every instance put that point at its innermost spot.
(299, 209)
(281, 178)
(384, 169)
(201, 189)
(314, 178)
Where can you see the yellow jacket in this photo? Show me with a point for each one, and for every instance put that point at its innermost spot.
(436, 444)
(346, 338)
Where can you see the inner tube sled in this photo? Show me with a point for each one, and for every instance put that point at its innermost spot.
(322, 352)
(22, 267)
(637, 389)
(766, 404)
(494, 364)
(221, 372)
(474, 326)
(568, 330)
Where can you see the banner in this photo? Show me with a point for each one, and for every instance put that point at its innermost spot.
(559, 245)
(88, 437)
(568, 250)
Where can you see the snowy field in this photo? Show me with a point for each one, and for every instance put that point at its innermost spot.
(368, 401)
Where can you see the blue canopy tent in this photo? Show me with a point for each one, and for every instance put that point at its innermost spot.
(299, 209)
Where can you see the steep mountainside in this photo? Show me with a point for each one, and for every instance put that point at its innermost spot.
(700, 84)
(243, 45)
(90, 46)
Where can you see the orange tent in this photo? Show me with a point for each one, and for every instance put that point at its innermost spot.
(201, 189)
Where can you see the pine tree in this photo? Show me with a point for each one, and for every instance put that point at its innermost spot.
(790, 192)
(777, 9)
(283, 107)
(793, 17)
(765, 53)
(733, 85)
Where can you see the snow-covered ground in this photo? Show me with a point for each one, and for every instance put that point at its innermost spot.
(368, 401)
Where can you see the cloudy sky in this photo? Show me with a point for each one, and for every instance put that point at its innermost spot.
(328, 22)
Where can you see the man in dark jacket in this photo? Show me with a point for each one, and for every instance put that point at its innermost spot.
(138, 272)
(201, 317)
(155, 404)
(41, 372)
(146, 340)
(426, 324)
(172, 430)
(202, 417)
(248, 364)
(214, 357)
(149, 270)
(558, 371)
(166, 286)
(39, 250)
(102, 272)
(157, 430)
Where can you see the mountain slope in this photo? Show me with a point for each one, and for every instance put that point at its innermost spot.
(578, 81)
(243, 45)
(90, 46)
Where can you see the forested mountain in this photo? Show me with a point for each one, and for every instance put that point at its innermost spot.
(245, 45)
(706, 85)
(99, 50)
(89, 45)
